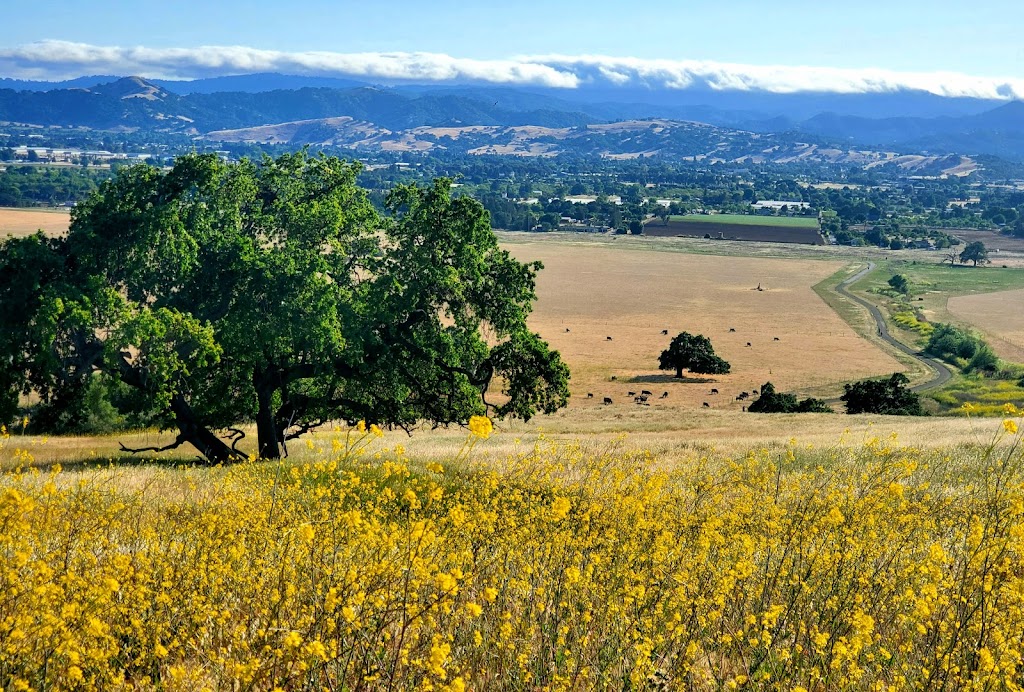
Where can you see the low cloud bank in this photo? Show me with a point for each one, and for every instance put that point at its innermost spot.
(55, 60)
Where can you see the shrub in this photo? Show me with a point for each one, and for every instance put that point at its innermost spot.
(908, 320)
(886, 396)
(951, 343)
(771, 401)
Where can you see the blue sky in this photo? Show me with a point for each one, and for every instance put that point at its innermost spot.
(976, 39)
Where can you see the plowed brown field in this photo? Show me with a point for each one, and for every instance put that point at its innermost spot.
(734, 231)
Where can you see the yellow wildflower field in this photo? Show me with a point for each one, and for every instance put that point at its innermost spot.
(867, 566)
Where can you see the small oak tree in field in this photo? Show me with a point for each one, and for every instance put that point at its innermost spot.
(975, 252)
(692, 352)
(900, 284)
(273, 292)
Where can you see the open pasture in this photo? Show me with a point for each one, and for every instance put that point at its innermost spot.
(1000, 315)
(22, 222)
(587, 293)
(780, 229)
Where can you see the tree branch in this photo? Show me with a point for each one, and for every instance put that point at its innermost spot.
(178, 441)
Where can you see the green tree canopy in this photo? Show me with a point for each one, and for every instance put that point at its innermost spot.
(692, 352)
(899, 283)
(887, 396)
(273, 292)
(963, 348)
(974, 252)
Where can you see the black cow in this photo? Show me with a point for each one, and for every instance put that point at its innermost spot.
(775, 338)
(646, 393)
(732, 329)
(607, 400)
(707, 405)
(630, 393)
(714, 391)
(590, 395)
(748, 343)
(664, 395)
(664, 331)
(607, 338)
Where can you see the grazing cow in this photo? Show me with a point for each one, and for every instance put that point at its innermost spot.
(630, 393)
(614, 378)
(646, 393)
(640, 400)
(775, 338)
(748, 343)
(732, 329)
(753, 391)
(714, 391)
(664, 395)
(566, 329)
(590, 395)
(739, 398)
(607, 338)
(664, 331)
(607, 400)
(707, 405)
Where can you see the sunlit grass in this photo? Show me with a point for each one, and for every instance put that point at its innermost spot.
(357, 564)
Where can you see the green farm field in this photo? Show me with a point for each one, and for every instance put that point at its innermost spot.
(750, 220)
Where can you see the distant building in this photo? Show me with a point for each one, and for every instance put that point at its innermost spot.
(775, 204)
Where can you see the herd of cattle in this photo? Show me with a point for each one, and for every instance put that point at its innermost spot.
(642, 398)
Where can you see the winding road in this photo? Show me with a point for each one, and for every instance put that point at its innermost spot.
(940, 372)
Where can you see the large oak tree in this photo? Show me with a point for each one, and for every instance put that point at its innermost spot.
(274, 292)
(692, 352)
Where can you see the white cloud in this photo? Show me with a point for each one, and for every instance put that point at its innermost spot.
(62, 59)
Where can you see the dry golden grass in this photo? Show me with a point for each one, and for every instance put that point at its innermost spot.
(673, 436)
(997, 314)
(23, 222)
(631, 294)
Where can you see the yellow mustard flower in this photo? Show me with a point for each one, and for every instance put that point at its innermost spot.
(481, 426)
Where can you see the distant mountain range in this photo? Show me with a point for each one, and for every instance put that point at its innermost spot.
(903, 122)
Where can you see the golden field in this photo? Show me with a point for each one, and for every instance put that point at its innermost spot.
(999, 315)
(21, 222)
(633, 293)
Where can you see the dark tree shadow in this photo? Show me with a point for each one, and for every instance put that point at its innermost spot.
(666, 379)
(120, 461)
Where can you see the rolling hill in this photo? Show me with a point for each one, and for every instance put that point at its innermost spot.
(531, 122)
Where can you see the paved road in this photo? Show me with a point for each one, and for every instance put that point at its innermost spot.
(940, 372)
